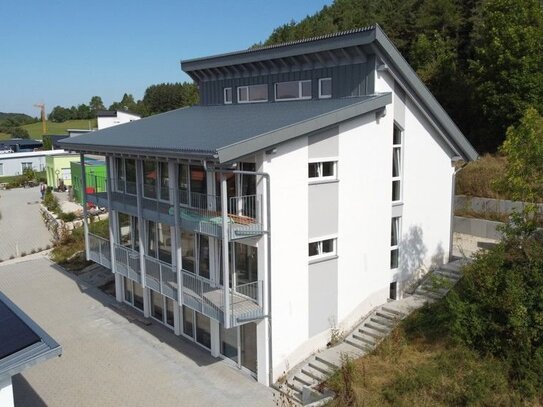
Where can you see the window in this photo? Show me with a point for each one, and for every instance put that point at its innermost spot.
(1, 169)
(395, 234)
(323, 170)
(26, 166)
(397, 165)
(322, 248)
(294, 90)
(253, 93)
(227, 96)
(325, 88)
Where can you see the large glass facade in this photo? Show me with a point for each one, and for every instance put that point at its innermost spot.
(247, 335)
(203, 330)
(149, 179)
(164, 181)
(188, 251)
(203, 269)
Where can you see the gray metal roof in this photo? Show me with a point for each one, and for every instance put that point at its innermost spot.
(22, 342)
(374, 41)
(225, 132)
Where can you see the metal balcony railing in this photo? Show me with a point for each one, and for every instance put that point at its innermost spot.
(160, 277)
(99, 250)
(207, 298)
(127, 263)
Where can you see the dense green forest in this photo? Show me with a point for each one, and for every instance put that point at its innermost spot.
(482, 59)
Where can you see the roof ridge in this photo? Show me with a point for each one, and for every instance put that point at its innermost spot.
(314, 38)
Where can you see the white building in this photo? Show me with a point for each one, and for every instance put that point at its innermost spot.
(15, 163)
(109, 118)
(313, 183)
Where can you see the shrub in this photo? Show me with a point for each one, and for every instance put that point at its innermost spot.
(67, 217)
(23, 254)
(51, 202)
(497, 307)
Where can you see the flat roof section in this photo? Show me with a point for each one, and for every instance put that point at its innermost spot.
(22, 342)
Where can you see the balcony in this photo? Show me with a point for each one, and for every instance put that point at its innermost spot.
(127, 263)
(160, 277)
(207, 298)
(99, 250)
(199, 293)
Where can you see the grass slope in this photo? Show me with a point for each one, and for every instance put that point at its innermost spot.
(35, 129)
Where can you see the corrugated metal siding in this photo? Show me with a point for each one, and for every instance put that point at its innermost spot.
(347, 80)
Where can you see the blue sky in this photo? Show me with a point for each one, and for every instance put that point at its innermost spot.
(63, 52)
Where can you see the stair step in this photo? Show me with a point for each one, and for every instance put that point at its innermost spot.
(370, 340)
(431, 289)
(399, 313)
(370, 332)
(297, 387)
(359, 345)
(430, 294)
(387, 315)
(304, 379)
(382, 321)
(452, 275)
(289, 392)
(453, 267)
(326, 363)
(378, 327)
(320, 367)
(315, 374)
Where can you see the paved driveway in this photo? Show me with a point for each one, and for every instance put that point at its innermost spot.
(21, 227)
(108, 360)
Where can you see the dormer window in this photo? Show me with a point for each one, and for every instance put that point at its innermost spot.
(294, 90)
(325, 88)
(253, 93)
(227, 96)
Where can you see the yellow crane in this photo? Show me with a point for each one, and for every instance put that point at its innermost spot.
(43, 121)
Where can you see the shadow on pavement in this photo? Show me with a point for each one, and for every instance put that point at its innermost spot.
(24, 394)
(159, 331)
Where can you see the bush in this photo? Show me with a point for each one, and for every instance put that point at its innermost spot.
(51, 202)
(497, 307)
(67, 217)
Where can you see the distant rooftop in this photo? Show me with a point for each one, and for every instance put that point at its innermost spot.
(113, 113)
(22, 342)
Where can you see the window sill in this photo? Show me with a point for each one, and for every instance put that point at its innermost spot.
(318, 181)
(397, 203)
(321, 259)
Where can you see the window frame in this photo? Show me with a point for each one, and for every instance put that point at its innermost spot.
(399, 178)
(321, 255)
(225, 90)
(321, 96)
(321, 178)
(26, 165)
(239, 88)
(300, 90)
(395, 247)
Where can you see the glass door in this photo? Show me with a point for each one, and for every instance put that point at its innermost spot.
(239, 345)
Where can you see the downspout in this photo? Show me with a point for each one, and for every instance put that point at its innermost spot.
(453, 203)
(268, 283)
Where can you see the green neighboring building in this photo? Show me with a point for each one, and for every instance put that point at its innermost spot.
(95, 171)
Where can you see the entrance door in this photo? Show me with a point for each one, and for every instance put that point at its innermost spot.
(239, 345)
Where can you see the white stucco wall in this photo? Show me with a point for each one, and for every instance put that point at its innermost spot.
(12, 162)
(364, 221)
(121, 118)
(289, 230)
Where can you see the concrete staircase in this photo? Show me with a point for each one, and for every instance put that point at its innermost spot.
(302, 384)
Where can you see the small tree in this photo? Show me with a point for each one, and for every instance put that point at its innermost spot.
(523, 147)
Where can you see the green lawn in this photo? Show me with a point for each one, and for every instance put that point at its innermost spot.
(35, 129)
(4, 136)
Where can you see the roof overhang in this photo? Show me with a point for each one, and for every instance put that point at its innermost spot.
(269, 139)
(386, 50)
